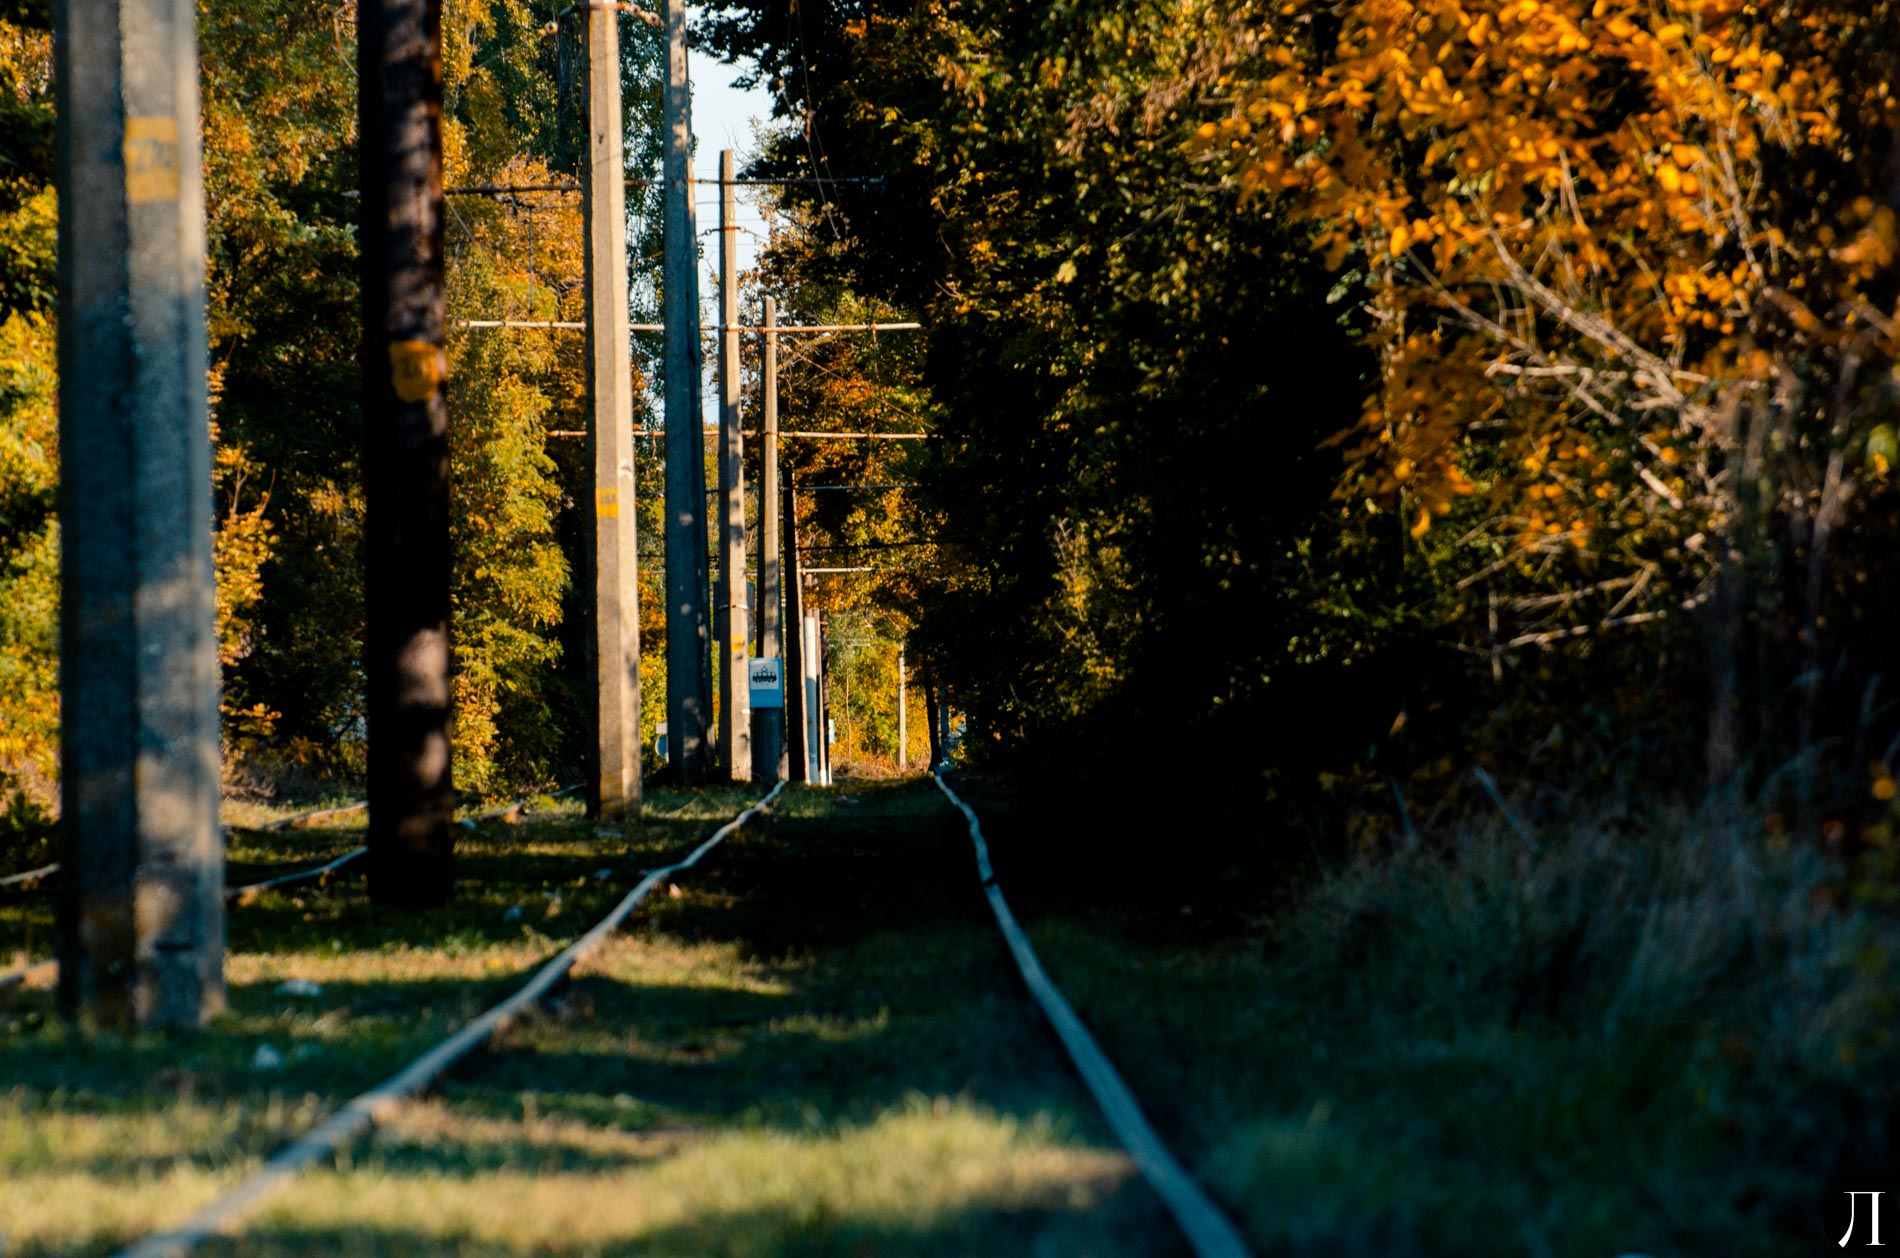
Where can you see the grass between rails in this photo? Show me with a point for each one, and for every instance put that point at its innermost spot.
(812, 1048)
(1652, 1039)
(1657, 1039)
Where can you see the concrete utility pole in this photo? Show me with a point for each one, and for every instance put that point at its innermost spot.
(688, 688)
(797, 731)
(768, 724)
(735, 699)
(610, 390)
(405, 451)
(797, 654)
(141, 906)
(903, 728)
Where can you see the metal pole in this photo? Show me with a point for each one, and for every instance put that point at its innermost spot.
(688, 694)
(822, 654)
(405, 452)
(797, 754)
(903, 729)
(141, 902)
(735, 700)
(610, 389)
(768, 726)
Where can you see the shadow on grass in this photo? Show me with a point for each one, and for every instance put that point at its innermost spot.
(1045, 1229)
(815, 976)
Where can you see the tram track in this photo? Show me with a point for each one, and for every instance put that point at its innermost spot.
(43, 972)
(1207, 1228)
(875, 984)
(34, 881)
(228, 1213)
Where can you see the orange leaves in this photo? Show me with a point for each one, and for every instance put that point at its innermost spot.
(1575, 210)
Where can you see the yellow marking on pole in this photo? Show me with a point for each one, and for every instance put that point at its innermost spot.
(151, 159)
(607, 503)
(417, 369)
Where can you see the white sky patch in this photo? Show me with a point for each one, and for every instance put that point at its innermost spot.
(724, 117)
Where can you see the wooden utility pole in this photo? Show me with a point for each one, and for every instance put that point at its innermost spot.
(798, 756)
(687, 685)
(768, 724)
(610, 392)
(141, 905)
(405, 450)
(903, 728)
(735, 698)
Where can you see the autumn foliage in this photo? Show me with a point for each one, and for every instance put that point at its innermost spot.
(1630, 270)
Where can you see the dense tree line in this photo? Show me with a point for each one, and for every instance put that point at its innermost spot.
(1338, 395)
(1329, 396)
(279, 144)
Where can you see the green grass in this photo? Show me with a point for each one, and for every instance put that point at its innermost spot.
(26, 917)
(1659, 1040)
(812, 1048)
(1669, 1044)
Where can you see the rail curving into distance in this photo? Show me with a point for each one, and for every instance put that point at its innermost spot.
(227, 1214)
(1209, 1232)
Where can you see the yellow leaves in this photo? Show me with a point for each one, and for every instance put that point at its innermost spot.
(1627, 148)
(1421, 525)
(1883, 451)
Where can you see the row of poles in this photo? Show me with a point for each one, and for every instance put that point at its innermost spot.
(141, 936)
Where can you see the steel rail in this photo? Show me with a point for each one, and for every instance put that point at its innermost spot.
(315, 814)
(32, 975)
(33, 877)
(1210, 1233)
(223, 1216)
(320, 874)
(30, 878)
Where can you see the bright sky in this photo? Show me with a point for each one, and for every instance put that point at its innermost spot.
(724, 117)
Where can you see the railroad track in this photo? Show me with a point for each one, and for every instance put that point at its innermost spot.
(228, 1214)
(1202, 1224)
(35, 880)
(1207, 1229)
